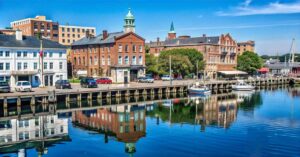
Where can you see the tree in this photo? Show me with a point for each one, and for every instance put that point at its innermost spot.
(249, 62)
(184, 61)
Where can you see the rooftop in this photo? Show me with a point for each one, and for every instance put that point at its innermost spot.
(28, 42)
(98, 39)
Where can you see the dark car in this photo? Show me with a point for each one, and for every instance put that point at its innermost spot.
(104, 81)
(88, 82)
(4, 87)
(62, 84)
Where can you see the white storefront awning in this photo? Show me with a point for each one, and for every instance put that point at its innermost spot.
(82, 72)
(235, 72)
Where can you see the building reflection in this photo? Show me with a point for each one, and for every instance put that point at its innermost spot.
(126, 123)
(40, 132)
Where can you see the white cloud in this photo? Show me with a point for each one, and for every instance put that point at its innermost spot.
(272, 8)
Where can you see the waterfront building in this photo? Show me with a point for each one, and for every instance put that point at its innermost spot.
(48, 128)
(219, 52)
(119, 55)
(245, 46)
(283, 68)
(33, 26)
(21, 61)
(69, 34)
(126, 123)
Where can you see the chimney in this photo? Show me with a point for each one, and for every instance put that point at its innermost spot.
(19, 35)
(204, 35)
(105, 34)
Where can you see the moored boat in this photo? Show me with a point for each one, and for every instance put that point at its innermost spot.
(199, 89)
(242, 86)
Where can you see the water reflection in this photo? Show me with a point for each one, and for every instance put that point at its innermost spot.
(40, 132)
(127, 123)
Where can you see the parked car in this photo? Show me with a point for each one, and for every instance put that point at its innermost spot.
(146, 80)
(166, 78)
(88, 82)
(23, 86)
(4, 87)
(104, 81)
(62, 84)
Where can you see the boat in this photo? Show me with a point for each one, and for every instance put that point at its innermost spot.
(199, 89)
(242, 86)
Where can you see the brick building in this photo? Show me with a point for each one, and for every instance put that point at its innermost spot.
(245, 46)
(8, 31)
(119, 55)
(39, 24)
(219, 52)
(69, 34)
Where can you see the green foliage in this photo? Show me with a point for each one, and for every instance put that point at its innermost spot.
(249, 62)
(184, 62)
(39, 35)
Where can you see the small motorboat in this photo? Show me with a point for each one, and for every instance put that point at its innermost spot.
(242, 86)
(199, 89)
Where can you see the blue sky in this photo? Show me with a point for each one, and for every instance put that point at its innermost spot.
(271, 23)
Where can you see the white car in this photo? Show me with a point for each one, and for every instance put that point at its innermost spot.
(166, 78)
(23, 86)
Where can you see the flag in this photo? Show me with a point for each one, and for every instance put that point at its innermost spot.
(41, 53)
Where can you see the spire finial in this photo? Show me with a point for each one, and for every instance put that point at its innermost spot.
(172, 29)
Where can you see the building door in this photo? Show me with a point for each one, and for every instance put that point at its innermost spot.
(133, 75)
(50, 80)
(125, 77)
(46, 80)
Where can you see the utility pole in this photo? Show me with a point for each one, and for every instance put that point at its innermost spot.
(197, 71)
(170, 62)
(42, 62)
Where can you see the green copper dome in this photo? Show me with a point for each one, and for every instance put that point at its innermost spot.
(129, 15)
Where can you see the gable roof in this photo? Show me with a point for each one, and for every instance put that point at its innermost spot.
(188, 41)
(28, 41)
(98, 39)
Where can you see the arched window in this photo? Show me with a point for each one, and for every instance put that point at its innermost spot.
(133, 62)
(126, 60)
(120, 60)
(91, 60)
(79, 61)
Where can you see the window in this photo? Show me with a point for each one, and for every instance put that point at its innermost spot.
(34, 65)
(19, 53)
(7, 53)
(133, 62)
(25, 66)
(63, 34)
(34, 54)
(78, 36)
(68, 35)
(103, 60)
(120, 60)
(96, 60)
(108, 60)
(78, 30)
(63, 40)
(120, 48)
(91, 60)
(73, 35)
(73, 29)
(45, 65)
(141, 60)
(51, 65)
(1, 66)
(126, 48)
(45, 54)
(37, 133)
(108, 49)
(68, 29)
(23, 123)
(50, 54)
(133, 48)
(1, 53)
(19, 65)
(126, 60)
(60, 65)
(7, 66)
(60, 54)
(82, 30)
(141, 48)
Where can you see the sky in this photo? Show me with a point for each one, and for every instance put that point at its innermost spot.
(272, 24)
